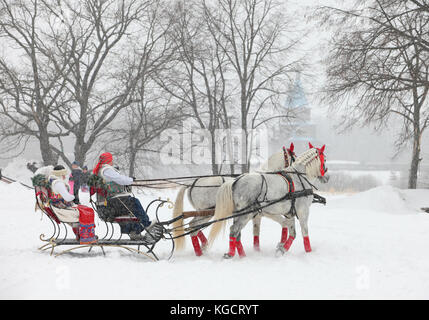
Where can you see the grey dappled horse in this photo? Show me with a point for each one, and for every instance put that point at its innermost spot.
(202, 196)
(252, 190)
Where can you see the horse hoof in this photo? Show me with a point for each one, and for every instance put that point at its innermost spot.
(280, 251)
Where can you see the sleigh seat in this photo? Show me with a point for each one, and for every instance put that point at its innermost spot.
(43, 203)
(120, 211)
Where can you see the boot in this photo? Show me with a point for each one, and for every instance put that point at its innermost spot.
(135, 236)
(154, 232)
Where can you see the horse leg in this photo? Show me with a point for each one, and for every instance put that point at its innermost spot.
(235, 237)
(285, 246)
(198, 236)
(282, 220)
(196, 244)
(194, 237)
(292, 230)
(203, 240)
(239, 247)
(303, 221)
(256, 232)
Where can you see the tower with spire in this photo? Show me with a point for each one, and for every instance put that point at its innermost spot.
(299, 128)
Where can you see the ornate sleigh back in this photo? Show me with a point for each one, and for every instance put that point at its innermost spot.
(43, 202)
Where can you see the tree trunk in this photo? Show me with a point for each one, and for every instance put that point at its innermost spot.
(215, 168)
(132, 169)
(48, 156)
(415, 161)
(244, 150)
(80, 148)
(244, 144)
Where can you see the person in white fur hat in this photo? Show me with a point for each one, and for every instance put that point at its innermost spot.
(66, 210)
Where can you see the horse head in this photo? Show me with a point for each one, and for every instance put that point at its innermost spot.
(323, 177)
(289, 155)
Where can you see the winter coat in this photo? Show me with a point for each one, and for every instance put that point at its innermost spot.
(76, 176)
(84, 178)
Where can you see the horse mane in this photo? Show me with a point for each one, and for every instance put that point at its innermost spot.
(309, 159)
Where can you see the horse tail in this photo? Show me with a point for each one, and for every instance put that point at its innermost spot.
(224, 208)
(179, 242)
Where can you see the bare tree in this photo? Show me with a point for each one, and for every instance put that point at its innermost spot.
(380, 72)
(198, 78)
(99, 85)
(151, 112)
(30, 87)
(257, 41)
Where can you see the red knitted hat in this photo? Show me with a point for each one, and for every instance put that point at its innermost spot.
(104, 158)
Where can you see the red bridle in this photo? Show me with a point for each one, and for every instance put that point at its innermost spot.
(321, 156)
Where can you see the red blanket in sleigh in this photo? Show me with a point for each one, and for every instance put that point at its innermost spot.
(85, 233)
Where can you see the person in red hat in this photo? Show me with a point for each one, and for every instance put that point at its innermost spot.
(118, 197)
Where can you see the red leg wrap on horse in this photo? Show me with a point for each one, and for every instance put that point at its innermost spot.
(232, 245)
(288, 243)
(202, 238)
(240, 249)
(307, 244)
(196, 245)
(256, 243)
(284, 235)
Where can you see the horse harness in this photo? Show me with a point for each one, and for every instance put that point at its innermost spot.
(193, 185)
(291, 189)
(257, 207)
(291, 195)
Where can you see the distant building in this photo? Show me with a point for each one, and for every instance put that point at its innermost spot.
(300, 129)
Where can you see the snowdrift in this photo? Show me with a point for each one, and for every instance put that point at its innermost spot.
(386, 199)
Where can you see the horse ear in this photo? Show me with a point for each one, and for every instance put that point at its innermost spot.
(322, 149)
(291, 147)
(310, 145)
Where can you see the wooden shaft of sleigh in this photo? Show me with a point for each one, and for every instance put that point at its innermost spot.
(200, 213)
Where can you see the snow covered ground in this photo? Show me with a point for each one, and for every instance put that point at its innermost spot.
(382, 176)
(372, 245)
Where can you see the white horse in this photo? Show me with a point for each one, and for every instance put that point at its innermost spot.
(202, 196)
(290, 193)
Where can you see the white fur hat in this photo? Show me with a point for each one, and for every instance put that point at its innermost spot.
(59, 171)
